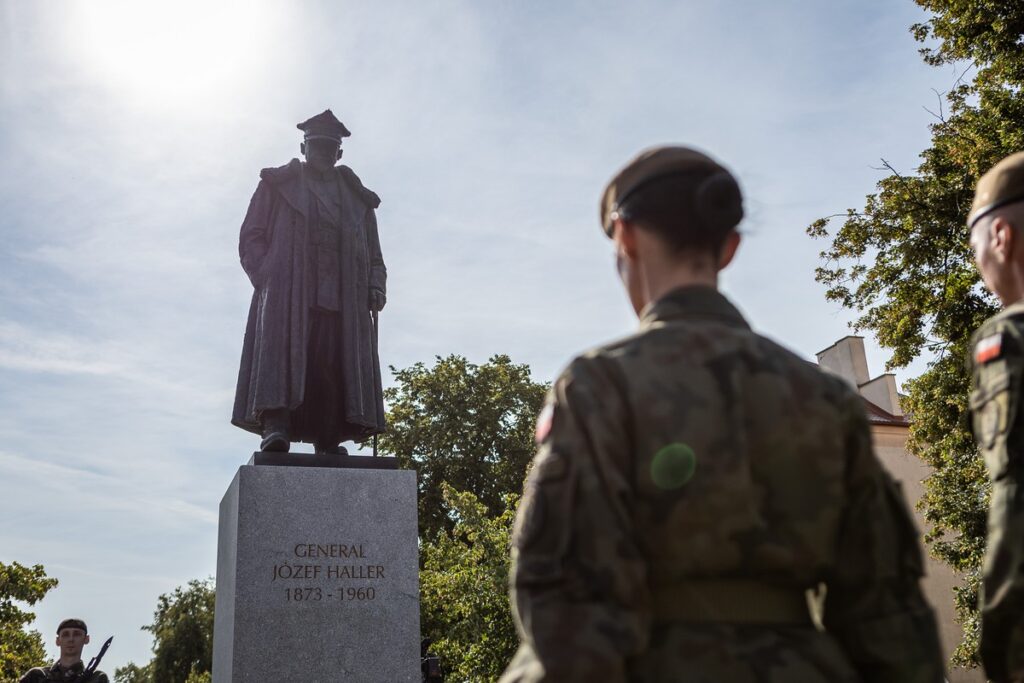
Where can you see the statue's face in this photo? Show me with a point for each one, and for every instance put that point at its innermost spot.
(321, 153)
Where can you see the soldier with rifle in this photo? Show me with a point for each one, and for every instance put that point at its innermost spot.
(72, 637)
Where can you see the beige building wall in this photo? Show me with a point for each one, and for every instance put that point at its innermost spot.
(889, 430)
(890, 445)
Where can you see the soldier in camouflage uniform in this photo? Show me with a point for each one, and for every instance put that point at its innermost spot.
(72, 637)
(695, 480)
(997, 221)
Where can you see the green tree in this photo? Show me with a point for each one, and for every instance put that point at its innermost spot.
(182, 631)
(133, 673)
(20, 650)
(903, 263)
(464, 590)
(469, 425)
(197, 677)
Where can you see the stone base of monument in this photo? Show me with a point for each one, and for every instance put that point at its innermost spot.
(317, 572)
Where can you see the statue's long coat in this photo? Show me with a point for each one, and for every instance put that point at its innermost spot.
(277, 255)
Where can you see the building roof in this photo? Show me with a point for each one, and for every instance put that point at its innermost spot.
(877, 416)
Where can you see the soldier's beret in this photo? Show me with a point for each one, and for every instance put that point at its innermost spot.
(72, 623)
(324, 125)
(1003, 184)
(661, 162)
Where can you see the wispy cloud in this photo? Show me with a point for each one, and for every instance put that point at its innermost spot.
(104, 492)
(26, 350)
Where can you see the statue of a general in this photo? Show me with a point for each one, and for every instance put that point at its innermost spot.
(309, 244)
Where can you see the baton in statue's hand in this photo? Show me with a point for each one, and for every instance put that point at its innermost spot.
(375, 313)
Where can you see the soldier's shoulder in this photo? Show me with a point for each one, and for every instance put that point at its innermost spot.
(806, 378)
(98, 677)
(619, 348)
(596, 365)
(280, 174)
(616, 364)
(34, 675)
(369, 196)
(1001, 336)
(1010, 318)
(598, 359)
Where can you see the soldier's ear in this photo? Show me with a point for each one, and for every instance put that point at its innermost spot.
(87, 639)
(1003, 238)
(624, 235)
(302, 148)
(728, 251)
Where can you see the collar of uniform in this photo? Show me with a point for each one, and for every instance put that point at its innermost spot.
(1011, 311)
(691, 301)
(77, 667)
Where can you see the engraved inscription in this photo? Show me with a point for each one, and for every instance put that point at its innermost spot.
(328, 578)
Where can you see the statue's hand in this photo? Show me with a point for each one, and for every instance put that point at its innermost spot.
(377, 300)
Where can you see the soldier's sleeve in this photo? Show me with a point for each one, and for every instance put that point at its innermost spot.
(998, 425)
(578, 582)
(252, 238)
(874, 605)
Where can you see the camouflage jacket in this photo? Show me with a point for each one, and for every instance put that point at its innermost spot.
(692, 481)
(55, 673)
(997, 363)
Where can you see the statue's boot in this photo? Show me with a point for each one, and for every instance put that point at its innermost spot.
(275, 431)
(325, 449)
(275, 441)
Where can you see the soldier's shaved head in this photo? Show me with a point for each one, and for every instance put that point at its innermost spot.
(996, 221)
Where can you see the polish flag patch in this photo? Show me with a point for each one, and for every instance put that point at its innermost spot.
(544, 422)
(989, 348)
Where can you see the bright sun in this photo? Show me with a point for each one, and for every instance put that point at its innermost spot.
(182, 50)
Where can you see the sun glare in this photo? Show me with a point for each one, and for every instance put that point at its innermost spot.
(182, 51)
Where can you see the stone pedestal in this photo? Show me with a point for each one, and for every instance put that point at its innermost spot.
(317, 574)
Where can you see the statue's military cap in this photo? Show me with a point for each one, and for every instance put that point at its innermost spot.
(324, 125)
(661, 162)
(1003, 184)
(72, 623)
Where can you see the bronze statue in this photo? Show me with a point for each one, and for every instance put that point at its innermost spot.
(309, 244)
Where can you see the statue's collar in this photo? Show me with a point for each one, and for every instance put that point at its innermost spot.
(294, 187)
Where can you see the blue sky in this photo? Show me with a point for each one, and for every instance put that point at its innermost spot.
(132, 137)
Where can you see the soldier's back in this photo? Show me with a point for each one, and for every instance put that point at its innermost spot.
(739, 464)
(738, 445)
(695, 481)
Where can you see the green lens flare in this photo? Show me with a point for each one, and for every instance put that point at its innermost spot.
(673, 466)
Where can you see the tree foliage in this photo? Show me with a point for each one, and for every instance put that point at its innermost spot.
(903, 263)
(133, 673)
(469, 431)
(463, 590)
(20, 650)
(182, 631)
(467, 425)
